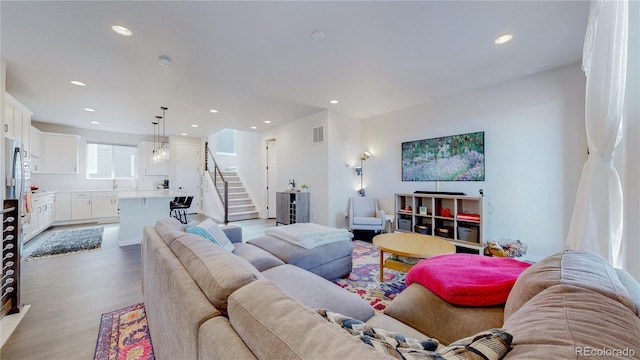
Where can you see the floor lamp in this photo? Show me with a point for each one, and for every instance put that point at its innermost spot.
(363, 157)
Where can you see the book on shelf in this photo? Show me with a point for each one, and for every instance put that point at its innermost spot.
(468, 217)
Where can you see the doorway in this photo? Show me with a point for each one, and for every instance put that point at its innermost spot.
(188, 173)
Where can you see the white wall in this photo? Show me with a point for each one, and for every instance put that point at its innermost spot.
(300, 159)
(344, 136)
(79, 181)
(534, 149)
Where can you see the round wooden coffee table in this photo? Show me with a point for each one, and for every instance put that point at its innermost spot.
(410, 245)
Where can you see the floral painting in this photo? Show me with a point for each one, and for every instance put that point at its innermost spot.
(449, 158)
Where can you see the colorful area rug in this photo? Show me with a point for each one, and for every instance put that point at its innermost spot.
(124, 335)
(364, 278)
(65, 242)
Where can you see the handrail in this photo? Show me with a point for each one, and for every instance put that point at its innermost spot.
(216, 171)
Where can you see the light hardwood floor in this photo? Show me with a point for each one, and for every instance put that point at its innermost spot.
(68, 294)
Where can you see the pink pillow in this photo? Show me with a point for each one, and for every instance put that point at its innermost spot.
(467, 279)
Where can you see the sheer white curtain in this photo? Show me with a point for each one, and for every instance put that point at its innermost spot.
(596, 223)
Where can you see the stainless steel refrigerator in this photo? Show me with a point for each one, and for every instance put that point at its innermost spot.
(15, 178)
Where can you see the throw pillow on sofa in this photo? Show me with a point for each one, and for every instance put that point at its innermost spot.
(491, 344)
(210, 230)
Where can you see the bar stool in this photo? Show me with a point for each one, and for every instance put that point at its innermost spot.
(179, 208)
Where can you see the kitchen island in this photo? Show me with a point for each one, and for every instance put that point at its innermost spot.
(139, 208)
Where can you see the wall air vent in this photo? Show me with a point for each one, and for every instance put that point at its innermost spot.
(318, 134)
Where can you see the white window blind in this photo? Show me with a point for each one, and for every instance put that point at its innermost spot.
(226, 142)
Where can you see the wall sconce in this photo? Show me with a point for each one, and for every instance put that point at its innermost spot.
(365, 155)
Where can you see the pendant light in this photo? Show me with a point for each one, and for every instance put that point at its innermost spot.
(156, 156)
(164, 146)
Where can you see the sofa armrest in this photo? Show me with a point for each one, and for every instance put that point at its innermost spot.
(381, 214)
(426, 312)
(233, 232)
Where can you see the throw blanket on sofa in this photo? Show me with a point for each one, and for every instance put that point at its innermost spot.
(309, 235)
(468, 280)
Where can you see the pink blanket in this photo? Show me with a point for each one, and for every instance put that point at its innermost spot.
(468, 280)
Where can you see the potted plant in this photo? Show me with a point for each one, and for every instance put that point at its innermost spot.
(304, 188)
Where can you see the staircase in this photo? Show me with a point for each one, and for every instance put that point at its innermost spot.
(241, 206)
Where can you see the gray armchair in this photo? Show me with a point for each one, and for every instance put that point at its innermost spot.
(364, 214)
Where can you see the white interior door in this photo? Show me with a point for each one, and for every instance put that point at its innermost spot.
(188, 173)
(271, 178)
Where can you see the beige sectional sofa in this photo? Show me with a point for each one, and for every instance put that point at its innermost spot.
(204, 302)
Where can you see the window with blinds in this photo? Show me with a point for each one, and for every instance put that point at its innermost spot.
(109, 161)
(226, 142)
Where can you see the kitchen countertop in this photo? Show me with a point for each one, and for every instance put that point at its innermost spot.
(139, 194)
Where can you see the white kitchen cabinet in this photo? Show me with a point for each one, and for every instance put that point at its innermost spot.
(81, 205)
(149, 167)
(59, 154)
(17, 123)
(42, 214)
(7, 128)
(36, 149)
(26, 136)
(104, 204)
(63, 206)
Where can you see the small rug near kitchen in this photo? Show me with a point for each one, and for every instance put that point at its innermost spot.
(364, 277)
(65, 242)
(124, 335)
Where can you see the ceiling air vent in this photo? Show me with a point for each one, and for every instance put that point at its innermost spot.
(318, 134)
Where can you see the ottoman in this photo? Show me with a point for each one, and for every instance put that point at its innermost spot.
(329, 261)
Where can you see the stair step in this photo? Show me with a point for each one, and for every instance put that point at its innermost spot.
(234, 209)
(234, 190)
(240, 201)
(247, 215)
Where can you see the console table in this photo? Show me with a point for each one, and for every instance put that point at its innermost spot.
(292, 207)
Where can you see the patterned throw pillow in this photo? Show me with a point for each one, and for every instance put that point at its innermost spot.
(488, 345)
(210, 230)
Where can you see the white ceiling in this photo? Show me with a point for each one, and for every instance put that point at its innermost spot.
(256, 61)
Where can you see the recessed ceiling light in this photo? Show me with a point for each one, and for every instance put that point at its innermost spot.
(318, 35)
(95, 122)
(538, 68)
(121, 30)
(89, 109)
(503, 39)
(213, 111)
(164, 60)
(267, 122)
(334, 101)
(194, 125)
(254, 127)
(78, 83)
(184, 134)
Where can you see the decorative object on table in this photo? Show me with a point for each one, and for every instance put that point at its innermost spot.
(363, 280)
(363, 157)
(292, 185)
(506, 248)
(66, 242)
(304, 188)
(124, 334)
